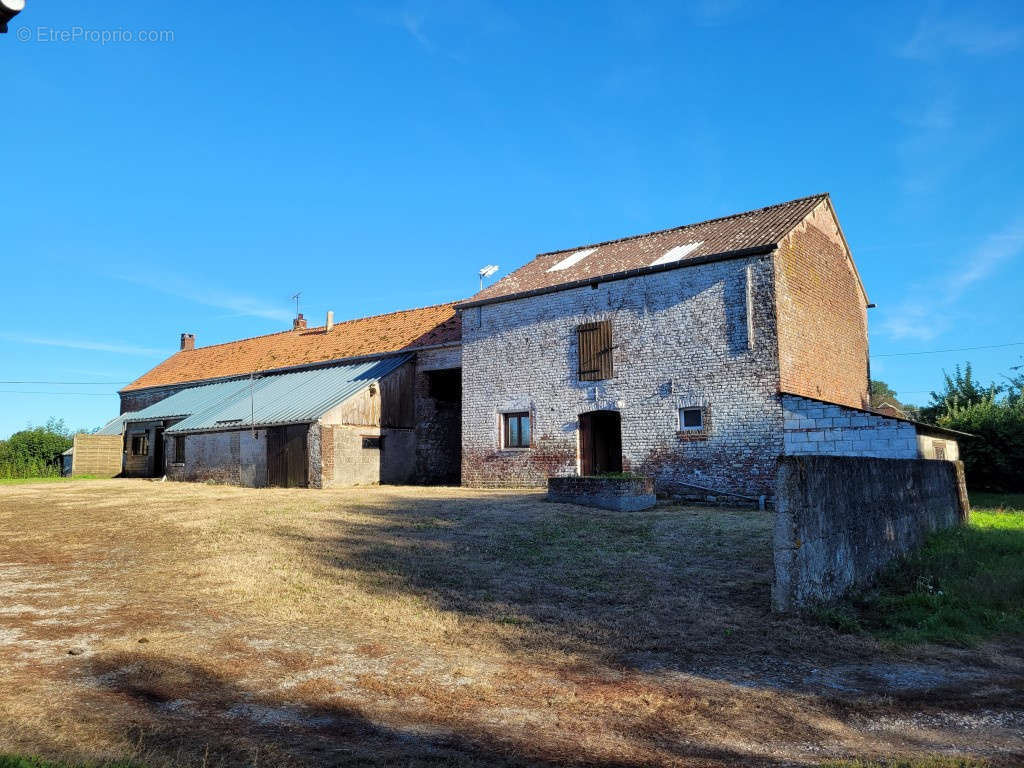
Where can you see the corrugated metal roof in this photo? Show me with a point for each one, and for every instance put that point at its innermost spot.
(189, 401)
(115, 426)
(287, 398)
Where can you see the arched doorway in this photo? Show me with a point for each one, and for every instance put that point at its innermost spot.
(600, 442)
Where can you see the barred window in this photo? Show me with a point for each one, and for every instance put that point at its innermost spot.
(179, 449)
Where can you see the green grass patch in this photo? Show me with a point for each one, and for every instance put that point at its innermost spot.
(910, 762)
(19, 761)
(47, 479)
(964, 585)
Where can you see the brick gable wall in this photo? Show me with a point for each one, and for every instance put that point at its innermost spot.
(822, 317)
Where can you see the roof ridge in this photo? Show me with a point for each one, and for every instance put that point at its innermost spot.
(821, 195)
(315, 327)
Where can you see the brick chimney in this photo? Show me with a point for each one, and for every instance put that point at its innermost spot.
(299, 323)
(188, 341)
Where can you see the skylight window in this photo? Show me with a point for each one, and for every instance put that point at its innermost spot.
(572, 258)
(677, 253)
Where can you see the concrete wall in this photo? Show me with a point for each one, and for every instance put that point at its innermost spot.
(682, 337)
(352, 464)
(235, 457)
(97, 455)
(839, 520)
(813, 427)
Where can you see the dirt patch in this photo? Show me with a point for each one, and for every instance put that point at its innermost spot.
(443, 626)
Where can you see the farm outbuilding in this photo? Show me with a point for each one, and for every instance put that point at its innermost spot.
(365, 418)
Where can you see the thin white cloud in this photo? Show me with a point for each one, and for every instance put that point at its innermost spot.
(237, 304)
(413, 24)
(928, 310)
(934, 37)
(93, 346)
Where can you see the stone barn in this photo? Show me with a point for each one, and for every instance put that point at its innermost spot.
(696, 355)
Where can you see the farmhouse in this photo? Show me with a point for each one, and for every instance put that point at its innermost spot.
(696, 355)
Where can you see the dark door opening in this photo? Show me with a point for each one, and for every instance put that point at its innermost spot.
(158, 452)
(287, 463)
(600, 442)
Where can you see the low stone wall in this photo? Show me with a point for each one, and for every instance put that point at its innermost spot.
(622, 494)
(840, 519)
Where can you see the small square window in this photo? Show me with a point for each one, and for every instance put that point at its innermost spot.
(691, 419)
(516, 430)
(940, 450)
(140, 445)
(371, 443)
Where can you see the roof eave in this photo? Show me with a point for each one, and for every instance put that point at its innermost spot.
(739, 253)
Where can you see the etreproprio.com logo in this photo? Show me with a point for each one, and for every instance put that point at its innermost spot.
(78, 34)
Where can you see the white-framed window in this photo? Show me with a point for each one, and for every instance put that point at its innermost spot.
(691, 419)
(515, 430)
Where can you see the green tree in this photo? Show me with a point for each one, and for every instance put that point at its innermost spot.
(994, 457)
(959, 391)
(35, 451)
(882, 393)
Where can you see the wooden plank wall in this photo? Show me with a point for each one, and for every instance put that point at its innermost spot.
(389, 405)
(98, 455)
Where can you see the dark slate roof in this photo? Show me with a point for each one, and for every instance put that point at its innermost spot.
(750, 232)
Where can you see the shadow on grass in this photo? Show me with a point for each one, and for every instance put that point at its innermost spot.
(169, 713)
(673, 587)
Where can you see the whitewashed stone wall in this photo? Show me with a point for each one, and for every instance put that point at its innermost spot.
(681, 338)
(814, 427)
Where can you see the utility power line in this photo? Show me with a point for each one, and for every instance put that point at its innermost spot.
(39, 392)
(76, 383)
(955, 349)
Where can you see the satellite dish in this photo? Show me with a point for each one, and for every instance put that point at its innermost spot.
(487, 271)
(8, 10)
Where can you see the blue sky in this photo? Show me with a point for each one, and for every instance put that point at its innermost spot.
(375, 155)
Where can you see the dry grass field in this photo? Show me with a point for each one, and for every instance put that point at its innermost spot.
(180, 624)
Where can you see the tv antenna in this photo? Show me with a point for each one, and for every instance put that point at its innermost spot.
(296, 299)
(487, 271)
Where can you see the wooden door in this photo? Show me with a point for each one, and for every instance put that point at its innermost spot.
(158, 452)
(295, 456)
(277, 468)
(600, 442)
(287, 464)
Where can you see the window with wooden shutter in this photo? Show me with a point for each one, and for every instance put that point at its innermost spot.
(594, 341)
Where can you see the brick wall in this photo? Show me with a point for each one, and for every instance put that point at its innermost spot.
(813, 427)
(822, 316)
(681, 338)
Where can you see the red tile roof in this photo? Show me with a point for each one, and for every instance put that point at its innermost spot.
(760, 228)
(365, 336)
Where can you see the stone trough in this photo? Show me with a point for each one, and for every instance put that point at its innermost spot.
(622, 493)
